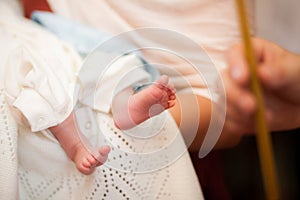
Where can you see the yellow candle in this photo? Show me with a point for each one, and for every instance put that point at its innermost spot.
(264, 144)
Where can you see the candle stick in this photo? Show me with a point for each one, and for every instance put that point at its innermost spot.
(264, 144)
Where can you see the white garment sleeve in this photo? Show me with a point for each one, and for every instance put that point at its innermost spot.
(39, 82)
(103, 75)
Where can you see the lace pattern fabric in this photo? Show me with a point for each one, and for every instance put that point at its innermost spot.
(8, 152)
(42, 170)
(107, 183)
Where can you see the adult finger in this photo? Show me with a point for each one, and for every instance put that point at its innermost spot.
(237, 97)
(237, 64)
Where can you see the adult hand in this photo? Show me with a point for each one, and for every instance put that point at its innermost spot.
(279, 73)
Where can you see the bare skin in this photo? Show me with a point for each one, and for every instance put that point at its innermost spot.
(280, 97)
(77, 147)
(161, 95)
(194, 139)
(279, 71)
(147, 103)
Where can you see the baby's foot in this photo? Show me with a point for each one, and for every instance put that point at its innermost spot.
(86, 162)
(149, 102)
(77, 146)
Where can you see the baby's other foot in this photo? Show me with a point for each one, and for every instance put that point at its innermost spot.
(149, 102)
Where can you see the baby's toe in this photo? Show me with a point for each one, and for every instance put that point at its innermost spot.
(172, 97)
(104, 150)
(85, 167)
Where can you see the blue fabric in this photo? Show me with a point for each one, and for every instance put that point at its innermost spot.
(83, 37)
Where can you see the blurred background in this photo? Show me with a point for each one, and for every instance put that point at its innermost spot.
(278, 21)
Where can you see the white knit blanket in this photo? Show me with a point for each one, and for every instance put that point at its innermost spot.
(33, 166)
(8, 152)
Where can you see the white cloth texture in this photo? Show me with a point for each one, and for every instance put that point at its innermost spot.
(39, 81)
(47, 80)
(38, 70)
(104, 74)
(212, 24)
(8, 151)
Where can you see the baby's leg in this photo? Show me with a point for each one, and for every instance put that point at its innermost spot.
(135, 109)
(77, 147)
